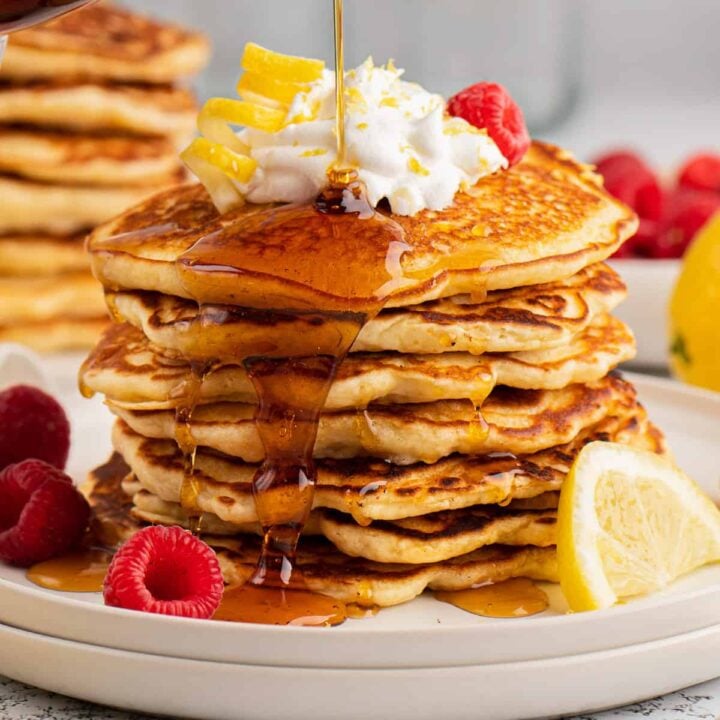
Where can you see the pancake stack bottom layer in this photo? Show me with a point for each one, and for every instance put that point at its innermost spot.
(449, 429)
(91, 121)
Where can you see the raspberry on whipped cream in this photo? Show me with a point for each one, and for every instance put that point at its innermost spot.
(399, 138)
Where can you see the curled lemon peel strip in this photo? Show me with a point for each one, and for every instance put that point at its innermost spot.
(283, 68)
(219, 158)
(269, 91)
(219, 113)
(225, 195)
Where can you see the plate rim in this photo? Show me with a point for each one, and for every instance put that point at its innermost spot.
(563, 700)
(144, 625)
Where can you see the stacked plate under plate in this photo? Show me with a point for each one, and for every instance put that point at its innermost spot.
(422, 660)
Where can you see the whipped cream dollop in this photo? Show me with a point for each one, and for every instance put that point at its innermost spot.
(398, 137)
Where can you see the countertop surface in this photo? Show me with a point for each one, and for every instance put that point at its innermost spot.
(20, 702)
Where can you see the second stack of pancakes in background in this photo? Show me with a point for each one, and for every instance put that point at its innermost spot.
(92, 114)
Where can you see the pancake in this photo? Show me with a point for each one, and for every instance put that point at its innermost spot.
(87, 159)
(129, 371)
(440, 536)
(55, 334)
(74, 295)
(543, 220)
(327, 571)
(106, 42)
(528, 318)
(96, 107)
(152, 508)
(516, 421)
(430, 538)
(371, 489)
(37, 254)
(324, 568)
(27, 206)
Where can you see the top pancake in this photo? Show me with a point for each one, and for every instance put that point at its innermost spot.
(543, 220)
(108, 43)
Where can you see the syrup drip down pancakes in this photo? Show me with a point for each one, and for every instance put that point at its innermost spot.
(448, 430)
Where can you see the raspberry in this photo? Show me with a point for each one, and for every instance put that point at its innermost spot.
(642, 244)
(701, 172)
(32, 425)
(489, 105)
(630, 180)
(42, 515)
(688, 211)
(165, 570)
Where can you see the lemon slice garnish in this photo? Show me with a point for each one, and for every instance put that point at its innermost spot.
(629, 523)
(283, 68)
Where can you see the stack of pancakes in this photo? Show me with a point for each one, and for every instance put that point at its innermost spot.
(450, 427)
(90, 123)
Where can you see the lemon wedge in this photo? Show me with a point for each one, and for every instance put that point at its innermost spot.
(629, 523)
(694, 320)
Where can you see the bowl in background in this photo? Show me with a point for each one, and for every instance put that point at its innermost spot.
(645, 310)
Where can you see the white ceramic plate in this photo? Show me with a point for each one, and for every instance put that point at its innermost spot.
(220, 691)
(645, 310)
(470, 659)
(423, 633)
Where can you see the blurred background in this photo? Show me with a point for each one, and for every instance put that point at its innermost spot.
(589, 75)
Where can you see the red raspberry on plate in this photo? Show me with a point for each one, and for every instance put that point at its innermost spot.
(165, 570)
(630, 180)
(42, 514)
(32, 425)
(688, 210)
(701, 172)
(489, 105)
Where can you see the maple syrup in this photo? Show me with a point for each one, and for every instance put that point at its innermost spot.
(189, 397)
(514, 598)
(81, 571)
(279, 606)
(361, 612)
(306, 278)
(19, 14)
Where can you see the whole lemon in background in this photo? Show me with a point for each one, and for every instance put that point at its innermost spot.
(695, 311)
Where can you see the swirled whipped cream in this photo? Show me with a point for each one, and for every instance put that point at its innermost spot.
(399, 138)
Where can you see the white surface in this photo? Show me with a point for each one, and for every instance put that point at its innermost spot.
(218, 691)
(21, 366)
(469, 658)
(24, 702)
(645, 310)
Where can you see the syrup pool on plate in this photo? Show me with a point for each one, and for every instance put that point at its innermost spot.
(81, 571)
(518, 597)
